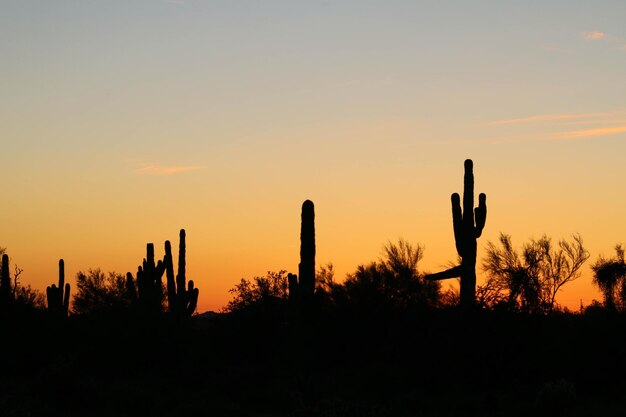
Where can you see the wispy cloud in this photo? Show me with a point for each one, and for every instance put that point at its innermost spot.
(148, 168)
(550, 118)
(594, 35)
(588, 133)
(558, 126)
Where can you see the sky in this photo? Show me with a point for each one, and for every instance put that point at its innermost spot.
(123, 121)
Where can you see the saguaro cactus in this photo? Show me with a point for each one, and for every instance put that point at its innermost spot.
(304, 286)
(182, 298)
(149, 282)
(59, 297)
(468, 226)
(5, 281)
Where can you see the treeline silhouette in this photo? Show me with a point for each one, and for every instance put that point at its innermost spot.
(387, 340)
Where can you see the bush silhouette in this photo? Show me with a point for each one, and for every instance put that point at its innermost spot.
(609, 274)
(529, 282)
(97, 292)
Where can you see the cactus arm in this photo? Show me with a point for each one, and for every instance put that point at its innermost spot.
(66, 299)
(193, 298)
(61, 281)
(453, 272)
(468, 195)
(169, 273)
(480, 213)
(182, 252)
(457, 223)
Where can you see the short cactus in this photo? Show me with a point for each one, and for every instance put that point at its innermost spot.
(59, 297)
(468, 226)
(5, 282)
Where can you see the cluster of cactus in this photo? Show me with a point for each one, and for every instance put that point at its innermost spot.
(149, 294)
(182, 298)
(468, 225)
(59, 297)
(303, 288)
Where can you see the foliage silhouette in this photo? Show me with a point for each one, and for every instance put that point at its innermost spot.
(468, 225)
(530, 282)
(392, 283)
(100, 293)
(12, 293)
(609, 274)
(261, 294)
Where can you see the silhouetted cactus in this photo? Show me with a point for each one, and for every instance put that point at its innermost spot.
(150, 282)
(59, 297)
(130, 289)
(182, 298)
(5, 282)
(302, 287)
(468, 226)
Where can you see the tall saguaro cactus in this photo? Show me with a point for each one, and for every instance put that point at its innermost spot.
(468, 225)
(59, 297)
(303, 286)
(306, 269)
(182, 297)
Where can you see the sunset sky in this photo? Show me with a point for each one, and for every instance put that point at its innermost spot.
(122, 121)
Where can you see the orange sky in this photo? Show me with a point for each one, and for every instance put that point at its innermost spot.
(123, 122)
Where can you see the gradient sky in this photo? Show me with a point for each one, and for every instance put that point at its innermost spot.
(122, 121)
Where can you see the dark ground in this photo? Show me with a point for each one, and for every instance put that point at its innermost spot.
(435, 363)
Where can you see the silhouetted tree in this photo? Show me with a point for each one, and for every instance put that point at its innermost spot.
(260, 293)
(530, 282)
(392, 283)
(12, 292)
(100, 293)
(29, 297)
(609, 274)
(468, 225)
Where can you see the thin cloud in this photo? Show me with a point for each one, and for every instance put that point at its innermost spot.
(549, 118)
(588, 133)
(594, 35)
(146, 168)
(562, 126)
(595, 122)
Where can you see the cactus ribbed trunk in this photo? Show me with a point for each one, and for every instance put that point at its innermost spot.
(5, 281)
(468, 224)
(306, 268)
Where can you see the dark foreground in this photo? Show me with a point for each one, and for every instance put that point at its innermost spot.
(436, 363)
